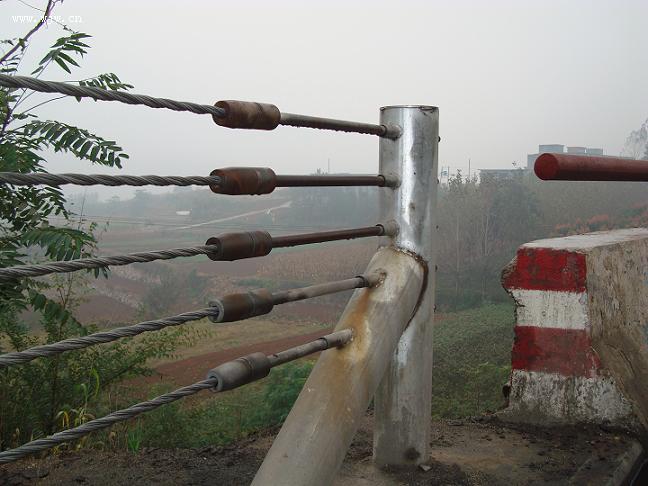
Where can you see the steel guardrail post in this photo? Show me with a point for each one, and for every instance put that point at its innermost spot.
(310, 448)
(404, 398)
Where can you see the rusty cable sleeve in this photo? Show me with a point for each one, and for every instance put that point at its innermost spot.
(18, 179)
(71, 344)
(37, 270)
(286, 119)
(336, 339)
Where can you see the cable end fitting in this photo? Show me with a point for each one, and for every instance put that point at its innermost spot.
(237, 181)
(248, 114)
(240, 371)
(237, 246)
(393, 132)
(237, 307)
(373, 279)
(338, 339)
(391, 180)
(390, 228)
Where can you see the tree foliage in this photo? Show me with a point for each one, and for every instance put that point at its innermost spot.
(636, 145)
(46, 395)
(481, 223)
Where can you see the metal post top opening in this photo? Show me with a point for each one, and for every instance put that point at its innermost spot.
(419, 107)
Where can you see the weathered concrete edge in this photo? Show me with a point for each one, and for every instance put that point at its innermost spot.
(569, 400)
(626, 467)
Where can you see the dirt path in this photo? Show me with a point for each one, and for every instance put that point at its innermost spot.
(480, 452)
(237, 216)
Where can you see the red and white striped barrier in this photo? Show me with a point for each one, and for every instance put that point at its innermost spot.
(581, 335)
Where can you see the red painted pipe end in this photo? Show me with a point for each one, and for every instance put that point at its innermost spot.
(546, 167)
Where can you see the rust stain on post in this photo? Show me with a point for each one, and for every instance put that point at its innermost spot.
(318, 431)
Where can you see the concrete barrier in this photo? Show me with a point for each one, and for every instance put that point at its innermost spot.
(581, 336)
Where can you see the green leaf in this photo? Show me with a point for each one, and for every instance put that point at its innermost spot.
(61, 63)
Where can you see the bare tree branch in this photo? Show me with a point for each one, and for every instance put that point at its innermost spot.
(22, 42)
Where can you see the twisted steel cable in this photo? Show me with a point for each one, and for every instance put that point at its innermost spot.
(103, 422)
(10, 359)
(108, 95)
(286, 119)
(18, 179)
(37, 270)
(226, 376)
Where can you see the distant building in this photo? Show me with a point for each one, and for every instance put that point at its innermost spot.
(486, 175)
(554, 148)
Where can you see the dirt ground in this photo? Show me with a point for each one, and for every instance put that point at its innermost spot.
(480, 451)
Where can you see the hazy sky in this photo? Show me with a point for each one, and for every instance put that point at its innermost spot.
(506, 75)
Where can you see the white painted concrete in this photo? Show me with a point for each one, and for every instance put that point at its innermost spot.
(537, 397)
(613, 312)
(560, 310)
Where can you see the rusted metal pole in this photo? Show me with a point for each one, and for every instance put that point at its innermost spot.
(382, 229)
(569, 167)
(404, 399)
(331, 180)
(318, 431)
(293, 295)
(294, 120)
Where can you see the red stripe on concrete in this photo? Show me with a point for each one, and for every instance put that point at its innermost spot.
(547, 269)
(564, 351)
